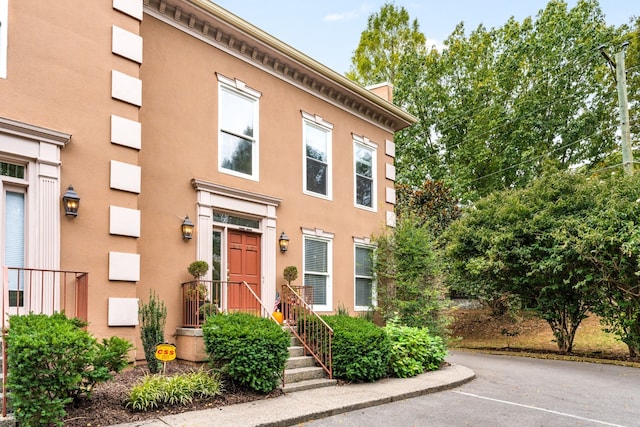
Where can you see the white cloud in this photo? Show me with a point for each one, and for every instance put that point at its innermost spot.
(435, 44)
(347, 16)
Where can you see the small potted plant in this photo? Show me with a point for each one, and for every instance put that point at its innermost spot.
(197, 294)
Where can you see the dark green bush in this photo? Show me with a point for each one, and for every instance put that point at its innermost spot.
(155, 390)
(251, 350)
(53, 360)
(414, 350)
(360, 349)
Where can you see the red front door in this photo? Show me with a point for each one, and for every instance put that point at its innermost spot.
(244, 266)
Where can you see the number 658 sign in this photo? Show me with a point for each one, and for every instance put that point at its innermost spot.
(165, 352)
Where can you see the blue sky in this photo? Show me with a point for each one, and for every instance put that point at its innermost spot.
(329, 30)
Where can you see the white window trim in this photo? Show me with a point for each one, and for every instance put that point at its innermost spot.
(366, 143)
(4, 24)
(317, 121)
(239, 88)
(318, 234)
(363, 243)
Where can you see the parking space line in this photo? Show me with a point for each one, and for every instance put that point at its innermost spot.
(537, 408)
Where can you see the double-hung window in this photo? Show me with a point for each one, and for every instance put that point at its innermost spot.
(317, 156)
(364, 155)
(364, 284)
(13, 205)
(317, 271)
(4, 16)
(238, 123)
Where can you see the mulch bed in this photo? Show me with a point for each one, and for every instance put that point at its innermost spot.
(107, 404)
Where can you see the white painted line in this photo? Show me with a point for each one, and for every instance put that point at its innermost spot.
(537, 409)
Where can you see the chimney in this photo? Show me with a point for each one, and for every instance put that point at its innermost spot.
(383, 90)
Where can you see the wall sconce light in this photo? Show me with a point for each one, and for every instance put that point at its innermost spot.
(187, 228)
(283, 242)
(71, 202)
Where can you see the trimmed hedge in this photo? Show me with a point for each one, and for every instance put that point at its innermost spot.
(251, 350)
(361, 350)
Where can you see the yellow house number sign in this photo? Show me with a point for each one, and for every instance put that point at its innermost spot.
(165, 352)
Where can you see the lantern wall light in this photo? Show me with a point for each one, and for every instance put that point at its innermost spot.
(283, 242)
(71, 202)
(187, 228)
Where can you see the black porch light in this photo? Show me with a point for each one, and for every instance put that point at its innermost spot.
(71, 202)
(283, 242)
(187, 228)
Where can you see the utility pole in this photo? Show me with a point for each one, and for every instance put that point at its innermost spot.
(620, 76)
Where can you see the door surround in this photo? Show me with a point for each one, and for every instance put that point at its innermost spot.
(212, 196)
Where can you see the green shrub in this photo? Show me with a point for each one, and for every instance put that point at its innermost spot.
(251, 350)
(414, 350)
(156, 390)
(360, 349)
(153, 317)
(53, 360)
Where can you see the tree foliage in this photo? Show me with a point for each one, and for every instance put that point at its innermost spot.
(407, 273)
(497, 106)
(432, 203)
(515, 242)
(390, 36)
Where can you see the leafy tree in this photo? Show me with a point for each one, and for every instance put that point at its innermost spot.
(498, 106)
(407, 275)
(516, 242)
(153, 317)
(390, 37)
(433, 203)
(610, 240)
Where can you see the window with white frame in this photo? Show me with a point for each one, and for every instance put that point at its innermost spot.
(238, 123)
(364, 156)
(317, 156)
(317, 271)
(364, 284)
(4, 17)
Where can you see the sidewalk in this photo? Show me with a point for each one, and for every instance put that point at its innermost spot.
(301, 406)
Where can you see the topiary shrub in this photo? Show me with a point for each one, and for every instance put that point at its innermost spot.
(360, 349)
(52, 361)
(251, 350)
(414, 350)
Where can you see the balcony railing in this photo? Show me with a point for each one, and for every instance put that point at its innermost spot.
(204, 297)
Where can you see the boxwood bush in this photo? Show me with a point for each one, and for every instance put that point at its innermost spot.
(361, 350)
(251, 350)
(53, 360)
(414, 350)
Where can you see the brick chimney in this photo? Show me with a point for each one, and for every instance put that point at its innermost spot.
(383, 90)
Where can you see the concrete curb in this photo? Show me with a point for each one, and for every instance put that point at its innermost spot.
(307, 405)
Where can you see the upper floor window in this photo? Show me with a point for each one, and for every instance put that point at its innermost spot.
(238, 122)
(317, 156)
(365, 173)
(4, 17)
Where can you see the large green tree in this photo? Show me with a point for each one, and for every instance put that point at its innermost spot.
(390, 36)
(516, 242)
(499, 105)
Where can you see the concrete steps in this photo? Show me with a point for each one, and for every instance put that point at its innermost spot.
(301, 372)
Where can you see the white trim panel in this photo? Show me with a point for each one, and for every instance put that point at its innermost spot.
(390, 171)
(126, 88)
(124, 221)
(390, 195)
(125, 176)
(132, 8)
(391, 219)
(123, 312)
(390, 148)
(126, 132)
(124, 266)
(126, 44)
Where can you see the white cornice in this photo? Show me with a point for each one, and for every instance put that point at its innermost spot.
(230, 33)
(33, 132)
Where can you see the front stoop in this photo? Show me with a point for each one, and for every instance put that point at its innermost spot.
(301, 372)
